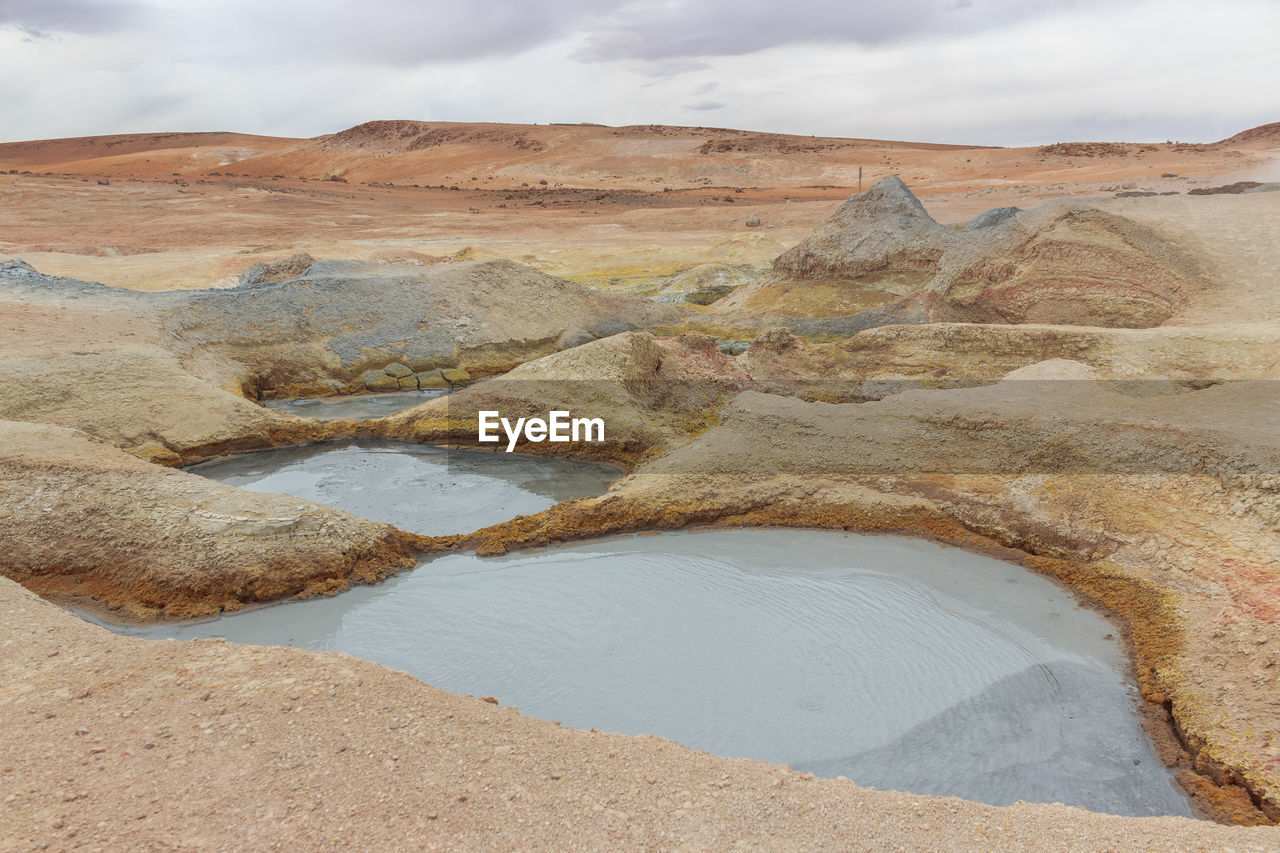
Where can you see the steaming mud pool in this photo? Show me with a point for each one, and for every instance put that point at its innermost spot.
(897, 663)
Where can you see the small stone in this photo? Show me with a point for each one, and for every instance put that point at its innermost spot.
(455, 375)
(397, 370)
(753, 221)
(430, 379)
(490, 699)
(376, 380)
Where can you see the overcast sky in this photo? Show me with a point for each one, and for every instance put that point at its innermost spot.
(1006, 72)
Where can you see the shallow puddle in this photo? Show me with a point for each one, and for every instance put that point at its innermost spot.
(417, 487)
(355, 407)
(898, 663)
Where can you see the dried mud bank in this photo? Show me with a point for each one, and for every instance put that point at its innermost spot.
(85, 520)
(171, 372)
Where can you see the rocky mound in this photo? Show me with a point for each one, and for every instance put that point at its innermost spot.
(80, 517)
(883, 234)
(992, 218)
(282, 270)
(703, 284)
(1063, 262)
(326, 329)
(1067, 264)
(322, 332)
(652, 393)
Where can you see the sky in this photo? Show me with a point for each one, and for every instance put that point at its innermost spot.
(998, 72)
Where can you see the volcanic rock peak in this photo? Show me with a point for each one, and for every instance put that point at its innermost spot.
(884, 229)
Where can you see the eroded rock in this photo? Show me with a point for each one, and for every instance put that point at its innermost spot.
(377, 380)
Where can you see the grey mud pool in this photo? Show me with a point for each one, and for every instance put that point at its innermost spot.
(898, 663)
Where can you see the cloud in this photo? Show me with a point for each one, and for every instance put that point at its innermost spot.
(43, 18)
(997, 72)
(662, 69)
(385, 32)
(667, 29)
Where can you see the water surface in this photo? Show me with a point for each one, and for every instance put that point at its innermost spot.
(417, 487)
(898, 663)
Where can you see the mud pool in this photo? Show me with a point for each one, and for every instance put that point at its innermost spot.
(356, 407)
(420, 488)
(897, 663)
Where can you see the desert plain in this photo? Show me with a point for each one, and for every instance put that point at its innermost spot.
(1064, 356)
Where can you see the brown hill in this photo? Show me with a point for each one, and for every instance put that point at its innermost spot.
(421, 153)
(399, 137)
(1264, 135)
(149, 152)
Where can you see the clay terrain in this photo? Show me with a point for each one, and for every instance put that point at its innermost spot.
(1064, 356)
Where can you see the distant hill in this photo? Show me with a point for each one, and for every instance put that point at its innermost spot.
(493, 155)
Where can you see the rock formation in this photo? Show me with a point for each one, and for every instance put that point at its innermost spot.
(1068, 264)
(703, 284)
(1063, 262)
(285, 269)
(79, 517)
(882, 235)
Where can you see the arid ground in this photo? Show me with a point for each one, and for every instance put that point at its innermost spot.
(1065, 356)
